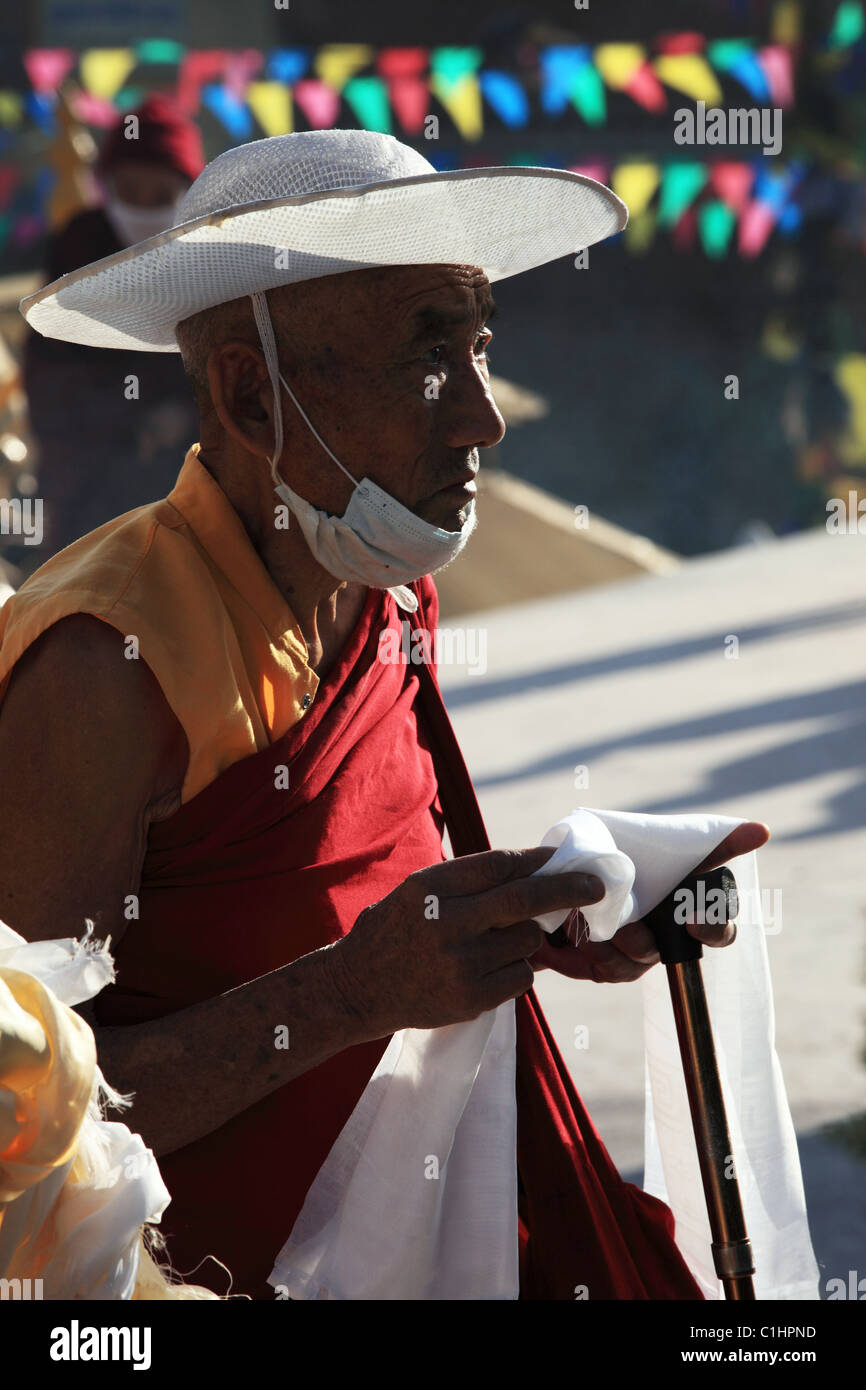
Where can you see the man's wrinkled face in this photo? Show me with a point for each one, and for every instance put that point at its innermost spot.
(390, 365)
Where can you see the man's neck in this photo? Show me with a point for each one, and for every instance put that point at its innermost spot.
(326, 609)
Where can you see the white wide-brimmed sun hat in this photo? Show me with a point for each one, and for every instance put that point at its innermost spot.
(320, 202)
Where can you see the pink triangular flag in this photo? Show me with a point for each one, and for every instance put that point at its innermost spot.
(93, 110)
(47, 67)
(591, 171)
(756, 224)
(732, 181)
(776, 63)
(319, 102)
(410, 98)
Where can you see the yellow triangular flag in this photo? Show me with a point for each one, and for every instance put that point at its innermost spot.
(104, 70)
(462, 101)
(271, 104)
(618, 62)
(689, 73)
(850, 374)
(786, 23)
(636, 184)
(11, 107)
(640, 231)
(337, 62)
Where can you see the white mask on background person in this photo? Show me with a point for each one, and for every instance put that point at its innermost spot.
(132, 224)
(377, 541)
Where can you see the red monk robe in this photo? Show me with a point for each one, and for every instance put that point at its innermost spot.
(246, 877)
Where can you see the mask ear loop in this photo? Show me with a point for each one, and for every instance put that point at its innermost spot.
(403, 596)
(269, 347)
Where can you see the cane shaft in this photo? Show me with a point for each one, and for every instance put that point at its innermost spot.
(732, 1252)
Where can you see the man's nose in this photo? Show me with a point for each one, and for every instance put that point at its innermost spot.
(473, 418)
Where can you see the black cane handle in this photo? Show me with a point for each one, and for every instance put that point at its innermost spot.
(708, 897)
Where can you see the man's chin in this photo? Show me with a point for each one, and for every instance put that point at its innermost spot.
(448, 514)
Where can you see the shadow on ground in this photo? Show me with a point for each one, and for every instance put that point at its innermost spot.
(835, 1182)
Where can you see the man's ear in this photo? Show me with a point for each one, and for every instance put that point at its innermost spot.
(240, 389)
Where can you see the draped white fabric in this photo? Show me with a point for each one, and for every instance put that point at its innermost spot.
(378, 1223)
(418, 1197)
(96, 1222)
(663, 850)
(766, 1160)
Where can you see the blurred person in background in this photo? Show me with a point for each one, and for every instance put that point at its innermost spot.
(80, 396)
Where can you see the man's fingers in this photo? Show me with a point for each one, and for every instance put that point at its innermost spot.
(473, 873)
(523, 898)
(636, 941)
(608, 965)
(713, 935)
(507, 983)
(751, 835)
(504, 945)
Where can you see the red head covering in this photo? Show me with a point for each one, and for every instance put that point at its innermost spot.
(165, 136)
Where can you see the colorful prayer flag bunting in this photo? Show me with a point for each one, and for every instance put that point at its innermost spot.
(691, 74)
(454, 83)
(849, 25)
(319, 102)
(368, 98)
(716, 223)
(233, 114)
(271, 104)
(404, 71)
(337, 62)
(506, 96)
(47, 67)
(636, 184)
(681, 184)
(104, 70)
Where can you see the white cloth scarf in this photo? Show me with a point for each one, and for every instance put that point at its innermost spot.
(417, 1198)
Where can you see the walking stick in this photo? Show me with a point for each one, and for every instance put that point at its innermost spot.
(681, 956)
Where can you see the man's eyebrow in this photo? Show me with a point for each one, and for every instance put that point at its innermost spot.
(430, 319)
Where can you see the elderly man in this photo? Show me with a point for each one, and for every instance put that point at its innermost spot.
(210, 760)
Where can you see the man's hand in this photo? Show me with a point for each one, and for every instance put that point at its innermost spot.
(452, 941)
(631, 952)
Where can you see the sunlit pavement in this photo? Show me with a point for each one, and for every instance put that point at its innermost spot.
(642, 684)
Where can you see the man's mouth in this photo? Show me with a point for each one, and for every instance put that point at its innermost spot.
(464, 487)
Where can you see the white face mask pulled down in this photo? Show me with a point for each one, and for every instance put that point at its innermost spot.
(377, 541)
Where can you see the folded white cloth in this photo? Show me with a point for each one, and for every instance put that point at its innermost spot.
(382, 1220)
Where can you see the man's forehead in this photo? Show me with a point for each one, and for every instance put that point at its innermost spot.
(402, 301)
(408, 284)
(421, 299)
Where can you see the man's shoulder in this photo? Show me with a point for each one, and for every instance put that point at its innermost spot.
(121, 574)
(72, 646)
(115, 573)
(82, 665)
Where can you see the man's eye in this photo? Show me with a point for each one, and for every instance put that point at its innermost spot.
(484, 339)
